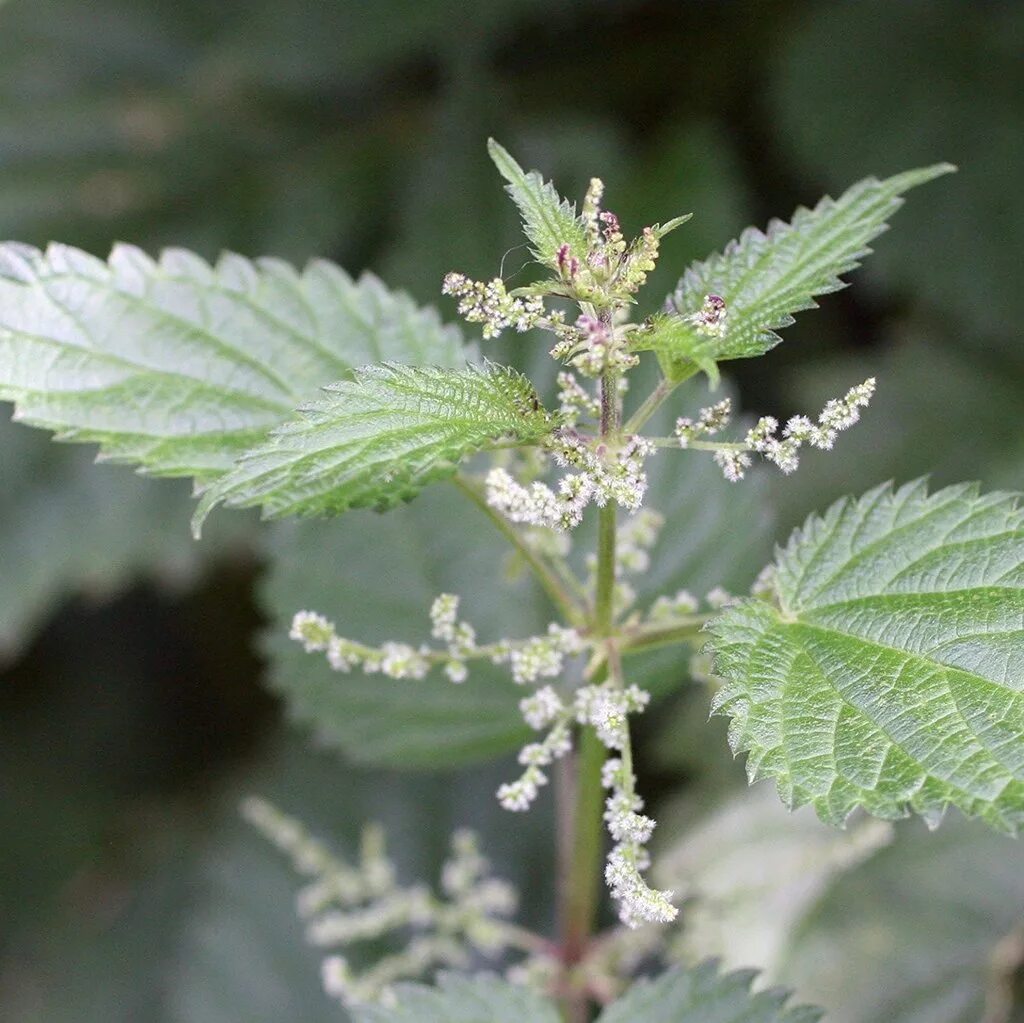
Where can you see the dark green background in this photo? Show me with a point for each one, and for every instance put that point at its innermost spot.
(130, 704)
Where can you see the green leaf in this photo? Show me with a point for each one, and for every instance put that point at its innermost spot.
(458, 999)
(766, 277)
(377, 440)
(549, 220)
(703, 995)
(181, 366)
(679, 347)
(890, 674)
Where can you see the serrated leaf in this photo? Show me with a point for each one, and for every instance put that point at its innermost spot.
(549, 220)
(890, 675)
(377, 440)
(181, 366)
(458, 999)
(703, 995)
(679, 347)
(766, 277)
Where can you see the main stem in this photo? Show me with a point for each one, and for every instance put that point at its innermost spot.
(581, 861)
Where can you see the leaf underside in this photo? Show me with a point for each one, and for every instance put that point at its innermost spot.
(180, 366)
(378, 439)
(891, 674)
(766, 277)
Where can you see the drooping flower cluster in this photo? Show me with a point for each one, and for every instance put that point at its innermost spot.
(763, 438)
(604, 476)
(607, 709)
(344, 905)
(529, 659)
(489, 303)
(544, 709)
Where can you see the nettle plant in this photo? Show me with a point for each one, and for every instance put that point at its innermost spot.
(877, 664)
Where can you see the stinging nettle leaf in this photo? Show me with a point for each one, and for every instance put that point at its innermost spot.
(766, 277)
(549, 220)
(703, 995)
(181, 366)
(890, 676)
(457, 999)
(377, 440)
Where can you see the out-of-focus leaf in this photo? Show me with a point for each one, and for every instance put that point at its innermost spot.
(703, 995)
(749, 872)
(124, 119)
(923, 919)
(103, 958)
(459, 999)
(861, 91)
(69, 527)
(823, 910)
(378, 439)
(888, 675)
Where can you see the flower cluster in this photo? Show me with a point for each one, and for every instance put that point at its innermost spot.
(709, 421)
(543, 710)
(604, 476)
(344, 905)
(607, 709)
(529, 659)
(610, 271)
(574, 401)
(593, 345)
(489, 303)
(396, 660)
(763, 437)
(710, 319)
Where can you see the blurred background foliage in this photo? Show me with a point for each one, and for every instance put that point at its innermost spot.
(132, 712)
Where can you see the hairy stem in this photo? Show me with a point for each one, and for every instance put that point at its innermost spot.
(560, 596)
